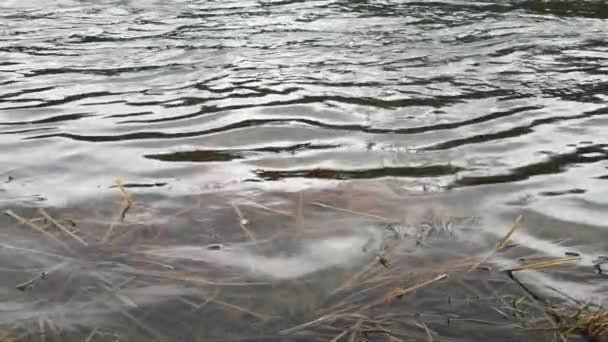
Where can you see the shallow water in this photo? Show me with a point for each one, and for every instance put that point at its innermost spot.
(395, 108)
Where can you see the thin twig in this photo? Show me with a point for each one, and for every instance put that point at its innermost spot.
(239, 308)
(62, 227)
(308, 324)
(267, 208)
(21, 220)
(108, 233)
(26, 285)
(323, 205)
(91, 335)
(429, 336)
(355, 331)
(339, 336)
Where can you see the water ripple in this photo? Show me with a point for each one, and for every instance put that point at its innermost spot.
(487, 86)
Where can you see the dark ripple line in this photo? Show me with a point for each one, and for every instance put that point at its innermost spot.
(555, 164)
(83, 39)
(399, 171)
(192, 101)
(126, 115)
(140, 185)
(29, 130)
(68, 99)
(512, 132)
(231, 154)
(36, 51)
(66, 117)
(436, 102)
(260, 122)
(25, 91)
(100, 72)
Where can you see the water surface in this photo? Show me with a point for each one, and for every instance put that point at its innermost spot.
(484, 109)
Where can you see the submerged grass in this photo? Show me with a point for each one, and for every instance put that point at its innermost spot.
(393, 296)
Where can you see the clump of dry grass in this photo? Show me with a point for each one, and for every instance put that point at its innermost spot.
(588, 320)
(592, 323)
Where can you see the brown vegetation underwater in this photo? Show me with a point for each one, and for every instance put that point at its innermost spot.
(316, 266)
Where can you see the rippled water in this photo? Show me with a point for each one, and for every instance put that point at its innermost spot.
(495, 108)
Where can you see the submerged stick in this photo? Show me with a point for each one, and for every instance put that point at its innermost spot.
(62, 227)
(267, 208)
(239, 308)
(21, 220)
(540, 303)
(309, 324)
(26, 285)
(108, 233)
(323, 205)
(529, 292)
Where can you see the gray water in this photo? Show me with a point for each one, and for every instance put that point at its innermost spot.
(489, 109)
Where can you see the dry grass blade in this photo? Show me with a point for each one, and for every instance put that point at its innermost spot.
(323, 205)
(501, 244)
(30, 283)
(355, 331)
(123, 191)
(544, 264)
(126, 196)
(309, 324)
(108, 233)
(400, 292)
(91, 335)
(429, 335)
(269, 209)
(21, 220)
(594, 324)
(339, 336)
(62, 227)
(351, 281)
(240, 308)
(193, 279)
